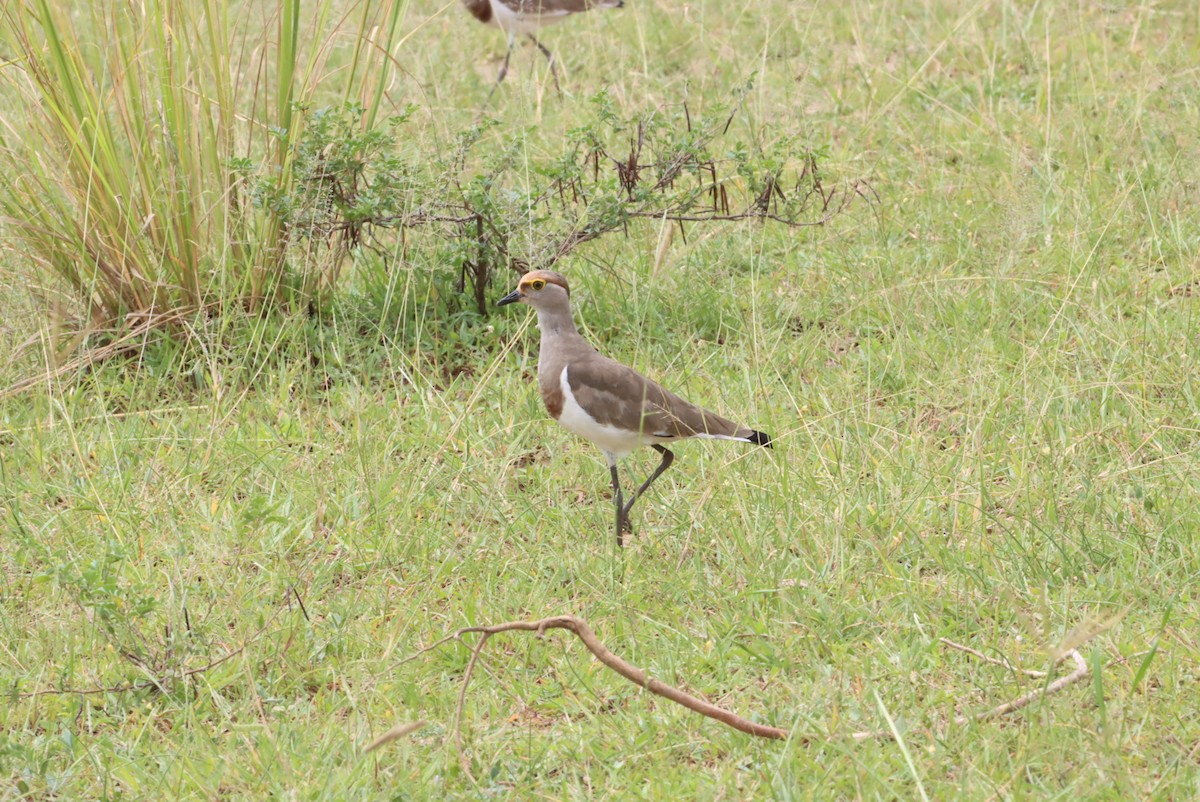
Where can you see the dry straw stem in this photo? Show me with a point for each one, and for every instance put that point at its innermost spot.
(397, 732)
(130, 340)
(638, 677)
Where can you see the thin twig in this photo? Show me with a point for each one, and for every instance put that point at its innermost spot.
(160, 682)
(155, 682)
(430, 647)
(1029, 672)
(462, 700)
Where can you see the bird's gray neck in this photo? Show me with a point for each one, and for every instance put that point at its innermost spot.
(556, 322)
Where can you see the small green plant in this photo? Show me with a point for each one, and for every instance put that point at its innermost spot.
(349, 188)
(342, 176)
(675, 170)
(119, 606)
(98, 587)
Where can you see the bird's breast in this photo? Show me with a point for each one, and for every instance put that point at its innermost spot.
(552, 396)
(480, 9)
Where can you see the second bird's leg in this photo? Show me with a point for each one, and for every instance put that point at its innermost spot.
(549, 57)
(667, 458)
(503, 70)
(623, 524)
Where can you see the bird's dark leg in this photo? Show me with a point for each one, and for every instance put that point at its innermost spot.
(503, 70)
(549, 57)
(622, 516)
(667, 459)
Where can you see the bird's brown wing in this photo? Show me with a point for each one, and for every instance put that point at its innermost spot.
(616, 395)
(556, 7)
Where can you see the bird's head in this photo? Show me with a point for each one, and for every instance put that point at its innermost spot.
(541, 289)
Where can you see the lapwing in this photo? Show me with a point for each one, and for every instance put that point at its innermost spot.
(606, 402)
(525, 17)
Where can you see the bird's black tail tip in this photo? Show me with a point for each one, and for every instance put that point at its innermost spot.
(760, 439)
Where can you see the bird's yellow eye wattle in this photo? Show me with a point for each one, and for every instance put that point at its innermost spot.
(537, 284)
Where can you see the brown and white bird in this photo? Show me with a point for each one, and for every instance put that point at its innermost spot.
(525, 17)
(601, 400)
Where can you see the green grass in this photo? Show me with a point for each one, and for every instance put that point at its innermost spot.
(984, 396)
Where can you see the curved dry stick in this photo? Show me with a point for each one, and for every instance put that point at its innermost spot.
(639, 677)
(630, 672)
(1081, 671)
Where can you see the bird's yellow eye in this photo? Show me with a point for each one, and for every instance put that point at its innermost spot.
(537, 284)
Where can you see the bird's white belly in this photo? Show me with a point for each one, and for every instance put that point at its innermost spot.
(517, 23)
(574, 418)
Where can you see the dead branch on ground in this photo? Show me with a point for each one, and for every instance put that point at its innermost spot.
(637, 676)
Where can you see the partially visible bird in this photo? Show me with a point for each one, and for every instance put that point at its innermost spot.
(601, 400)
(525, 17)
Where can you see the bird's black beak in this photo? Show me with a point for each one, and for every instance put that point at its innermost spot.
(511, 298)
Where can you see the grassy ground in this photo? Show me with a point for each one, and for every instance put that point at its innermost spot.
(983, 391)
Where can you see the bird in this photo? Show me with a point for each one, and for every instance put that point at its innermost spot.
(524, 17)
(608, 403)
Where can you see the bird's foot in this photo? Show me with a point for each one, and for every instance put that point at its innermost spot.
(624, 527)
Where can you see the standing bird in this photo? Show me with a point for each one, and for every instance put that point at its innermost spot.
(601, 400)
(523, 17)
